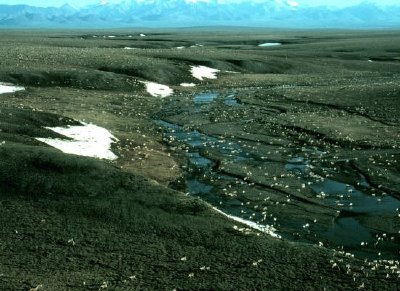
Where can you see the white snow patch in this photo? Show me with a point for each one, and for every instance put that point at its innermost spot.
(293, 3)
(201, 72)
(158, 90)
(111, 36)
(268, 229)
(197, 45)
(270, 44)
(188, 84)
(88, 140)
(9, 88)
(180, 47)
(196, 1)
(142, 35)
(129, 48)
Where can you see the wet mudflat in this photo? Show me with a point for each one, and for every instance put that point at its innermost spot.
(219, 165)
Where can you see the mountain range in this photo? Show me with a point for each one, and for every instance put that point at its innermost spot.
(180, 13)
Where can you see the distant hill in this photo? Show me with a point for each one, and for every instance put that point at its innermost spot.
(178, 13)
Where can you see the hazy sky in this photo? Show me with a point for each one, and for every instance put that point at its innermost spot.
(86, 2)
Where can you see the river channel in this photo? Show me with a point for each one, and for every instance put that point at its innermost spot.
(334, 214)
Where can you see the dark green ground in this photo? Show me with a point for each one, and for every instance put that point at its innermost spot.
(73, 223)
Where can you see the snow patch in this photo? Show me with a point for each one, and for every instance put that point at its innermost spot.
(293, 3)
(88, 140)
(142, 35)
(268, 229)
(188, 84)
(270, 44)
(129, 48)
(158, 90)
(9, 88)
(202, 72)
(196, 1)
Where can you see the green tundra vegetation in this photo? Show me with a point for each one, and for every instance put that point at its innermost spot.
(297, 120)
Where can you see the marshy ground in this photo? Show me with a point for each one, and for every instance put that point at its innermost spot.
(300, 138)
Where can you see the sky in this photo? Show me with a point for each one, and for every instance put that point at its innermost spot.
(79, 3)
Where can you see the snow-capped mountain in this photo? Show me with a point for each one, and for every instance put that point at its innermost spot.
(170, 13)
